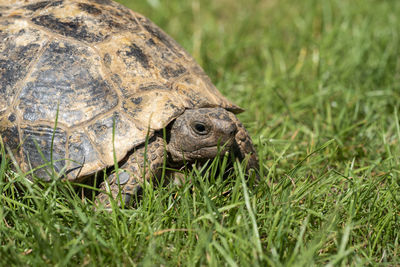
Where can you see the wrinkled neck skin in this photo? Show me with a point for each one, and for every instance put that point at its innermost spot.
(202, 134)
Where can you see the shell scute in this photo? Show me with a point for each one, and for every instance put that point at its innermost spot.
(36, 6)
(153, 109)
(136, 54)
(22, 8)
(84, 20)
(195, 91)
(159, 35)
(9, 132)
(82, 156)
(37, 149)
(90, 9)
(124, 130)
(75, 87)
(134, 63)
(18, 48)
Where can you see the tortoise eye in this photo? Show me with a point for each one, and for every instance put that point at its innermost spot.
(200, 128)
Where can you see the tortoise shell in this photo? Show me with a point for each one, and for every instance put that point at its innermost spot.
(80, 80)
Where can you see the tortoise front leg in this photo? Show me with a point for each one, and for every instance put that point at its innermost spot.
(133, 173)
(244, 146)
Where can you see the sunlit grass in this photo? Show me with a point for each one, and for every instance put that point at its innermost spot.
(320, 82)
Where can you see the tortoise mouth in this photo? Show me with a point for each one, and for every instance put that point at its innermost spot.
(202, 153)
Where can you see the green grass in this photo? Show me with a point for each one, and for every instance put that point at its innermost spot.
(320, 82)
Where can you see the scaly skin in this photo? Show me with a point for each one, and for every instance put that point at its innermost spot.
(245, 146)
(139, 168)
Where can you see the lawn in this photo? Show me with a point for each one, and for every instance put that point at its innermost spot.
(320, 82)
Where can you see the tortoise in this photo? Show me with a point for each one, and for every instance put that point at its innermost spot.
(88, 83)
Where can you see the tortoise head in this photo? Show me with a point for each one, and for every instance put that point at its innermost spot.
(203, 133)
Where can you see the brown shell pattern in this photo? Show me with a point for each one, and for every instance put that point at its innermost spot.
(96, 66)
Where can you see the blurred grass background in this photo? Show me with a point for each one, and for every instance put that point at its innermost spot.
(320, 84)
